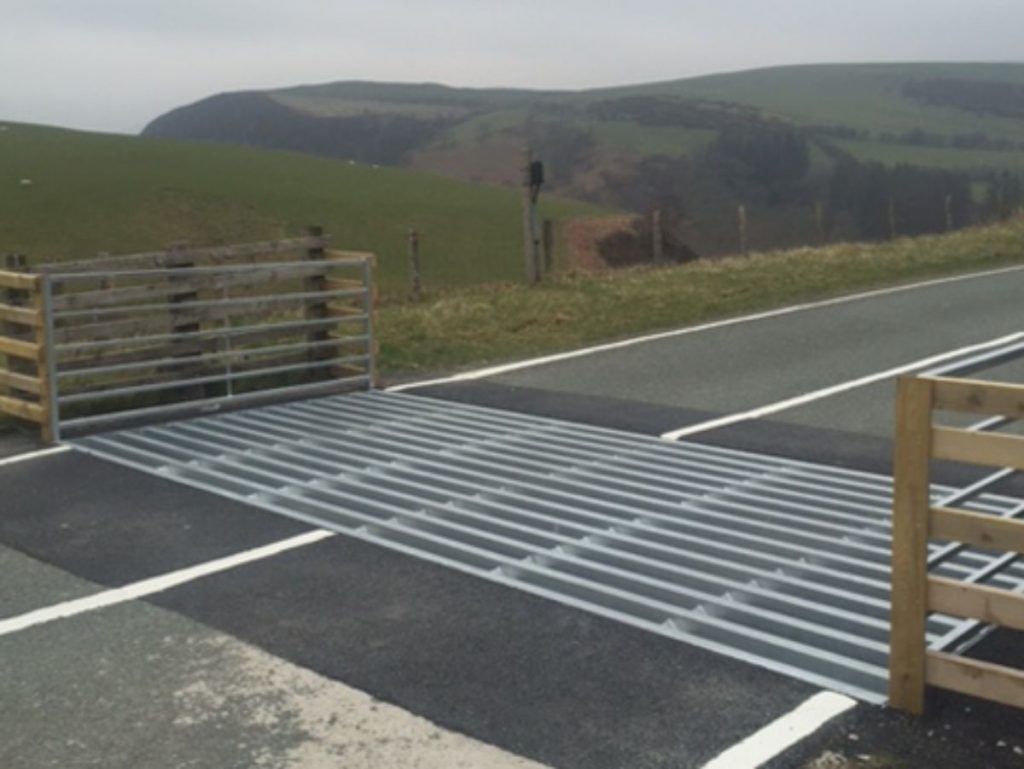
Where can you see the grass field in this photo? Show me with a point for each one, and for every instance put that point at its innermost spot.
(490, 324)
(863, 96)
(934, 157)
(94, 193)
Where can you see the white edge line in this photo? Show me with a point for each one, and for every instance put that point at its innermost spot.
(782, 733)
(556, 357)
(826, 392)
(34, 455)
(153, 585)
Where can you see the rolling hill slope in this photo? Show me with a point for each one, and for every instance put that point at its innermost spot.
(812, 153)
(963, 108)
(93, 192)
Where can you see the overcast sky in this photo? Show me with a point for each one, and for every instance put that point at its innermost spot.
(115, 64)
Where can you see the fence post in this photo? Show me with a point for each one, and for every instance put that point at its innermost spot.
(657, 238)
(16, 297)
(318, 310)
(910, 513)
(415, 273)
(42, 302)
(744, 242)
(370, 310)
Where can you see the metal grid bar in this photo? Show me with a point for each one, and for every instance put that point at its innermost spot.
(186, 408)
(777, 562)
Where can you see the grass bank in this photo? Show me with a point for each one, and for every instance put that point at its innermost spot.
(91, 193)
(495, 323)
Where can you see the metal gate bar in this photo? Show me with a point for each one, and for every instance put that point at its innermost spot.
(191, 330)
(778, 562)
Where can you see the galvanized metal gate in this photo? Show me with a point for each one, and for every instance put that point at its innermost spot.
(187, 330)
(781, 563)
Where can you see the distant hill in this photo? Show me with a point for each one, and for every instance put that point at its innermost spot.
(93, 193)
(691, 146)
(969, 115)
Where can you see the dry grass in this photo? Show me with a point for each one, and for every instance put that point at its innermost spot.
(494, 323)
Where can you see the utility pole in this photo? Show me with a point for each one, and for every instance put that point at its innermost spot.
(533, 179)
(548, 236)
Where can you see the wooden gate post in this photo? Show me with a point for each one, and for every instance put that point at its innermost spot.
(910, 514)
(317, 311)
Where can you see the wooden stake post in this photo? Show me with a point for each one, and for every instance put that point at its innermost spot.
(911, 501)
(415, 271)
(25, 377)
(657, 238)
(912, 666)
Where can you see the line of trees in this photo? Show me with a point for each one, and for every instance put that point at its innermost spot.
(797, 190)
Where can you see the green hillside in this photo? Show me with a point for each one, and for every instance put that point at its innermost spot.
(93, 193)
(866, 97)
(877, 101)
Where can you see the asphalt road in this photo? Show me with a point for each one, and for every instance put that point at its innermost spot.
(744, 366)
(268, 664)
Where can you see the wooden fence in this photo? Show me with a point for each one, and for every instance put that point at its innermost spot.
(156, 334)
(916, 521)
(24, 378)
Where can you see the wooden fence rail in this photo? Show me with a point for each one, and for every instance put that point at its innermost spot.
(915, 592)
(144, 332)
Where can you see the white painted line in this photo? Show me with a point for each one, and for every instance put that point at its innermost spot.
(557, 357)
(154, 584)
(782, 733)
(836, 389)
(35, 455)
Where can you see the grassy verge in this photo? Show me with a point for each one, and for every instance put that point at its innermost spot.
(493, 323)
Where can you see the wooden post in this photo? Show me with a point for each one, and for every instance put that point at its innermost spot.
(657, 238)
(36, 401)
(911, 506)
(372, 300)
(415, 273)
(17, 298)
(531, 249)
(744, 244)
(180, 259)
(318, 310)
(548, 232)
(50, 407)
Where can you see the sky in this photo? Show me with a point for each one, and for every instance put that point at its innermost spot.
(114, 65)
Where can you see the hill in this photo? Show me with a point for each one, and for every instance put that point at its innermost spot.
(953, 106)
(698, 147)
(93, 193)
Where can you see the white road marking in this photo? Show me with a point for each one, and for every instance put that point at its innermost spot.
(783, 733)
(153, 585)
(35, 455)
(836, 389)
(569, 355)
